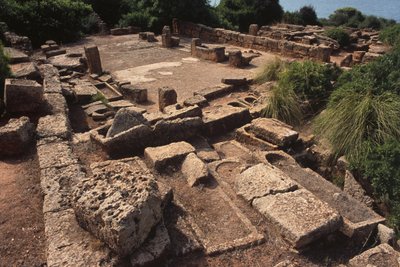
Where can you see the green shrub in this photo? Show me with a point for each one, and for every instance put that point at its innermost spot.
(308, 79)
(340, 35)
(270, 71)
(283, 104)
(304, 16)
(365, 107)
(59, 20)
(90, 24)
(4, 69)
(139, 19)
(390, 35)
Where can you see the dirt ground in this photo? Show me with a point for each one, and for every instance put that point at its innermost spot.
(22, 239)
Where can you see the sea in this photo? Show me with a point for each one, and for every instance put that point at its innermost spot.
(382, 8)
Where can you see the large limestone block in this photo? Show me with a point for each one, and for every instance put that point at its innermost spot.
(22, 96)
(16, 136)
(273, 131)
(120, 204)
(54, 126)
(382, 255)
(162, 156)
(262, 180)
(194, 169)
(300, 216)
(125, 119)
(166, 96)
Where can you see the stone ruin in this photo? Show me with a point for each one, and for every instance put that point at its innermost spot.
(141, 206)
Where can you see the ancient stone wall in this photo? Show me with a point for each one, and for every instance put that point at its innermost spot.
(262, 43)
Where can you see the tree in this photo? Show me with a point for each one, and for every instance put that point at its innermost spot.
(308, 15)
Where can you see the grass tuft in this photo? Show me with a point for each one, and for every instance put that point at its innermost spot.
(270, 71)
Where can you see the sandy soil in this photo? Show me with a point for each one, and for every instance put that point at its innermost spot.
(22, 240)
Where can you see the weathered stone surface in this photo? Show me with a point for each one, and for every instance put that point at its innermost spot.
(120, 104)
(125, 119)
(55, 103)
(25, 70)
(22, 96)
(153, 249)
(166, 96)
(93, 60)
(194, 169)
(84, 92)
(69, 245)
(162, 156)
(262, 180)
(300, 216)
(273, 131)
(222, 119)
(199, 100)
(16, 136)
(51, 78)
(99, 108)
(346, 61)
(173, 112)
(65, 62)
(55, 155)
(382, 255)
(138, 95)
(354, 189)
(120, 204)
(15, 55)
(55, 52)
(235, 81)
(253, 29)
(215, 92)
(386, 235)
(208, 155)
(54, 126)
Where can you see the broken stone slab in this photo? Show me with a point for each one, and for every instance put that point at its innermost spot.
(105, 78)
(23, 96)
(174, 112)
(386, 235)
(99, 108)
(211, 93)
(354, 189)
(116, 105)
(69, 63)
(208, 155)
(54, 126)
(120, 204)
(382, 255)
(221, 119)
(51, 78)
(273, 131)
(16, 136)
(300, 216)
(194, 169)
(163, 156)
(198, 100)
(15, 55)
(242, 135)
(235, 82)
(55, 155)
(125, 119)
(25, 71)
(53, 53)
(153, 250)
(262, 180)
(69, 245)
(85, 92)
(166, 96)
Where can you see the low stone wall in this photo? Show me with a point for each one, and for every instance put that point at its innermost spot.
(286, 48)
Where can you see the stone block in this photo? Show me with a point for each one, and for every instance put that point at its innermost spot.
(117, 105)
(172, 154)
(253, 29)
(133, 93)
(15, 55)
(198, 100)
(125, 119)
(354, 189)
(120, 204)
(94, 61)
(84, 93)
(53, 53)
(25, 71)
(16, 136)
(263, 180)
(211, 93)
(235, 58)
(194, 170)
(386, 235)
(166, 96)
(22, 96)
(172, 112)
(55, 155)
(382, 255)
(54, 126)
(299, 215)
(55, 103)
(273, 131)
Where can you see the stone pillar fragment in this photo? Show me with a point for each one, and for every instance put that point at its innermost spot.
(195, 42)
(166, 97)
(94, 60)
(235, 59)
(253, 29)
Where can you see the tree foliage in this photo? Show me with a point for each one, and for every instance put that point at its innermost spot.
(304, 16)
(4, 69)
(239, 14)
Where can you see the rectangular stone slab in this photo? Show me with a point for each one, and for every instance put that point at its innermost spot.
(299, 215)
(262, 180)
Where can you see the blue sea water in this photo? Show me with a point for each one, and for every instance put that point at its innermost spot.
(382, 8)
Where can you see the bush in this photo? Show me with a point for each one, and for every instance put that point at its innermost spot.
(304, 16)
(242, 13)
(390, 35)
(139, 19)
(365, 107)
(4, 70)
(283, 104)
(59, 20)
(308, 79)
(340, 35)
(270, 71)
